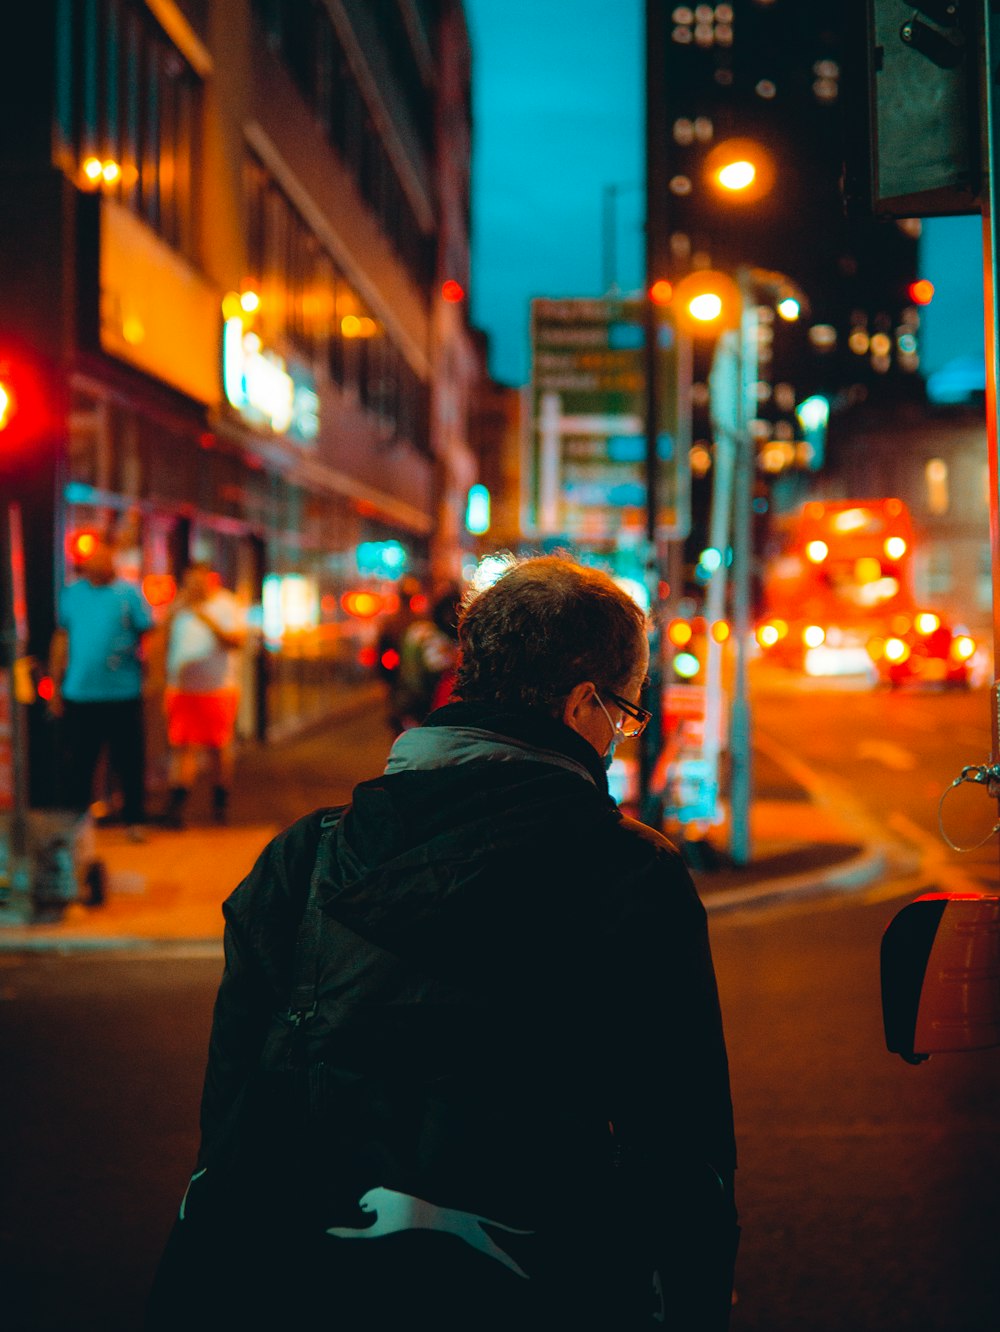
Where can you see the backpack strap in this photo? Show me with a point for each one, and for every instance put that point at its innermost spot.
(305, 963)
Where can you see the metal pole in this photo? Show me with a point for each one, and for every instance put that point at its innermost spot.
(650, 803)
(740, 750)
(609, 239)
(990, 129)
(19, 866)
(724, 386)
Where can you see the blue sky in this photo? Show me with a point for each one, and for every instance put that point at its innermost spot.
(558, 116)
(952, 325)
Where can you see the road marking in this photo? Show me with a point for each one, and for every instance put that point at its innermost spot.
(890, 755)
(936, 864)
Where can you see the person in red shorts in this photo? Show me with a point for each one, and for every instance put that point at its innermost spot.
(206, 629)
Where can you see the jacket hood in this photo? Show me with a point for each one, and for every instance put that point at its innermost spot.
(471, 804)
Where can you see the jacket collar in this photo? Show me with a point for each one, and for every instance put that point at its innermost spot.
(468, 732)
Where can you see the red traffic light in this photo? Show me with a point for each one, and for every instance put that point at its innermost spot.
(25, 403)
(8, 404)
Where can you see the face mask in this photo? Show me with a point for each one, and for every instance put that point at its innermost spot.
(609, 753)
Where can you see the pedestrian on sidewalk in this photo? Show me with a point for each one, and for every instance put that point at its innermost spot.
(206, 628)
(95, 661)
(467, 1068)
(428, 659)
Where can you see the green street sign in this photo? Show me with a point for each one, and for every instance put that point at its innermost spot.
(589, 404)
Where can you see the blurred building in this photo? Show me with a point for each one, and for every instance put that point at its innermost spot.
(500, 440)
(782, 77)
(770, 74)
(234, 255)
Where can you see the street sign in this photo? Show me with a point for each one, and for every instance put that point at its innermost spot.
(589, 398)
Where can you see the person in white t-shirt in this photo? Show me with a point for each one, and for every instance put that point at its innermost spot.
(206, 629)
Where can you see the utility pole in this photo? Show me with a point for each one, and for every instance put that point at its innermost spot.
(741, 786)
(990, 130)
(651, 743)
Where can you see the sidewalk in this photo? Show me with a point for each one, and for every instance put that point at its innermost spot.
(169, 889)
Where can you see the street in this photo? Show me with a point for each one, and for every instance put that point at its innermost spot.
(868, 1189)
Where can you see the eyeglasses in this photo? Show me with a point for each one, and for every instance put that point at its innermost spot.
(635, 719)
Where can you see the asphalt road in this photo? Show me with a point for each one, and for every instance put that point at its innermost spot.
(869, 1190)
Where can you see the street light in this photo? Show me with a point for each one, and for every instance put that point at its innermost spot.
(742, 170)
(705, 303)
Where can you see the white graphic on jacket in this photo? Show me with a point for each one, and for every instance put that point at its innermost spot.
(399, 1211)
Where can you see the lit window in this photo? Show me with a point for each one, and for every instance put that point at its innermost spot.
(680, 185)
(823, 336)
(683, 132)
(682, 36)
(936, 477)
(766, 89)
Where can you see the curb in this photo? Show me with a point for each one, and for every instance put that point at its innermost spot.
(852, 874)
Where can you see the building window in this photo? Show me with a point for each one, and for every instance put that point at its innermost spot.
(936, 479)
(309, 308)
(302, 34)
(127, 113)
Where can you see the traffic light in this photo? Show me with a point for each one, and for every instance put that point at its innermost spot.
(916, 153)
(24, 412)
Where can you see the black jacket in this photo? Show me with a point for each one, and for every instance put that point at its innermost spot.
(517, 1042)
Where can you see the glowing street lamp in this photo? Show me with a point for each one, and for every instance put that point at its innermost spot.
(738, 175)
(741, 170)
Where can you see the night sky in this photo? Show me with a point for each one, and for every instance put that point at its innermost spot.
(558, 116)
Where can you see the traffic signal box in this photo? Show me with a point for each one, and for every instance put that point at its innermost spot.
(917, 154)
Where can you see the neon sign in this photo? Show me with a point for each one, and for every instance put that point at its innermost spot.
(257, 383)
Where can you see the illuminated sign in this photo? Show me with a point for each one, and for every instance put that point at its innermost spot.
(382, 559)
(257, 383)
(477, 510)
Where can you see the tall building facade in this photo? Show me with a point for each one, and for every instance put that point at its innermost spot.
(776, 76)
(231, 244)
(785, 77)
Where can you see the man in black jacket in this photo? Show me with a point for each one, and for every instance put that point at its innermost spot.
(467, 1068)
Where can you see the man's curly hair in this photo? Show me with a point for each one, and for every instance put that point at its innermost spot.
(544, 626)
